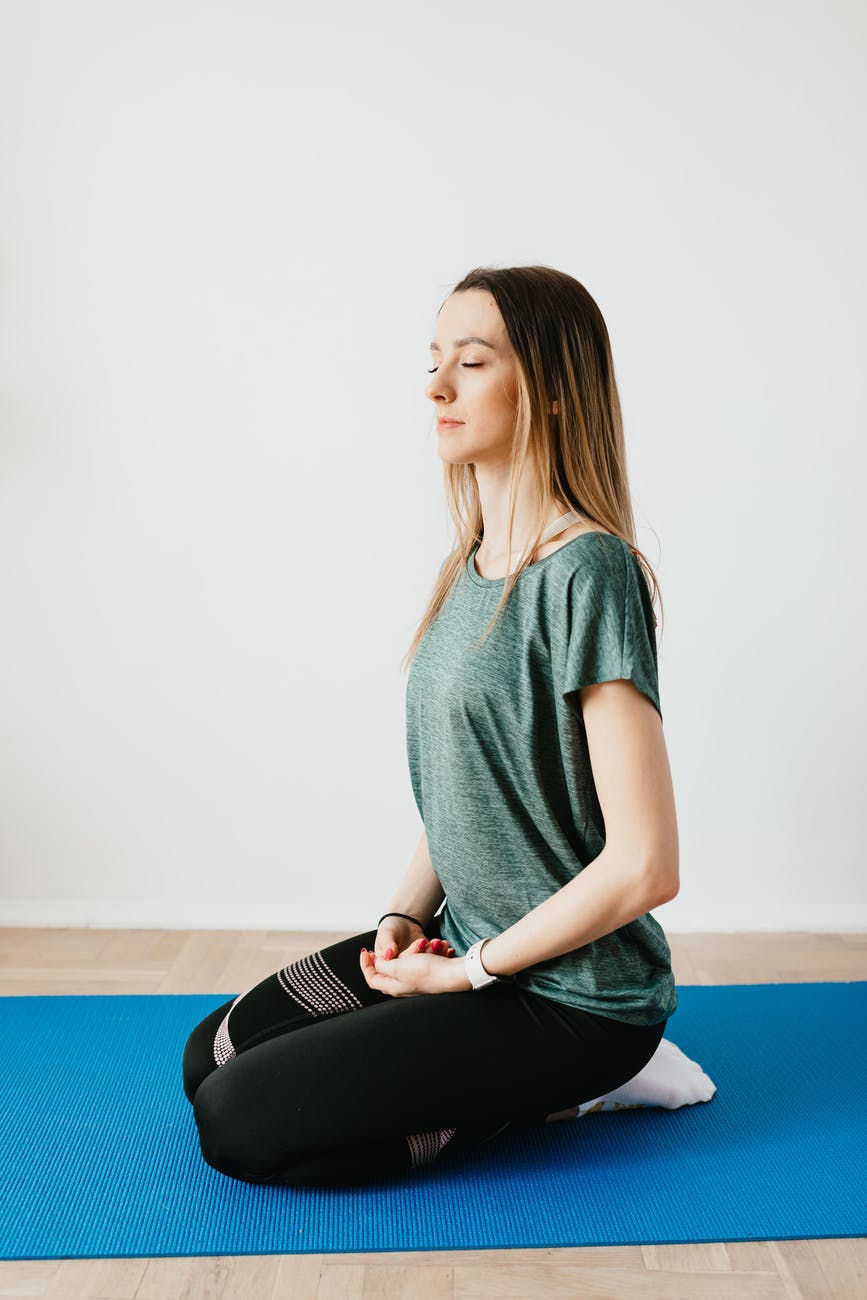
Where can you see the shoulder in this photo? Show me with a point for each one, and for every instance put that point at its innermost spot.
(580, 529)
(602, 572)
(595, 555)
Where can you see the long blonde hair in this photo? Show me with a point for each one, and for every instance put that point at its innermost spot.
(563, 352)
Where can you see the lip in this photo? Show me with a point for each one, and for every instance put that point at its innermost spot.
(448, 424)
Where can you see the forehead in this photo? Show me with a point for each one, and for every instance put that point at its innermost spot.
(473, 313)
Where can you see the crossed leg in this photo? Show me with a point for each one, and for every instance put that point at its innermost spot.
(311, 1077)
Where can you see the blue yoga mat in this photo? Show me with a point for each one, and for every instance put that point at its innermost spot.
(100, 1157)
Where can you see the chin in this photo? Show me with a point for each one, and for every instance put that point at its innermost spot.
(450, 456)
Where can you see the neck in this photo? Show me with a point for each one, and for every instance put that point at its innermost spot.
(493, 487)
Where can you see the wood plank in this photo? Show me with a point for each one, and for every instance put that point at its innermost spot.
(57, 960)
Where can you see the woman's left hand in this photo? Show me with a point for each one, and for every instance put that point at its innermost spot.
(412, 972)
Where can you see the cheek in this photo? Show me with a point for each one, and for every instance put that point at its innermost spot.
(501, 413)
(498, 397)
(506, 389)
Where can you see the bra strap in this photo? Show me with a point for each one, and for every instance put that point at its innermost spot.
(559, 525)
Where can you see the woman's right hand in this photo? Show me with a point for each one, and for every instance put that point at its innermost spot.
(396, 934)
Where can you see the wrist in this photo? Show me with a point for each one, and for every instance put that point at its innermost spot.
(402, 918)
(459, 980)
(489, 959)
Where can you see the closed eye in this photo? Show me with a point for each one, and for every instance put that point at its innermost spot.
(471, 365)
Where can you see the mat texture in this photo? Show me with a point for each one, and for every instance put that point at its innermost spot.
(99, 1153)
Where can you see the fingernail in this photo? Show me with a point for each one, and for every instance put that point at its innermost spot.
(388, 953)
(422, 944)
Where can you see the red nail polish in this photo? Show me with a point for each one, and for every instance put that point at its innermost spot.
(422, 945)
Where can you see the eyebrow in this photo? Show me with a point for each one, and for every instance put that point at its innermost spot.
(460, 343)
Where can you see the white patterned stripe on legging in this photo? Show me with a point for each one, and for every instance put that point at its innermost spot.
(315, 986)
(425, 1147)
(311, 983)
(223, 1049)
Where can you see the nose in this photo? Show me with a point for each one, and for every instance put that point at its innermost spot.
(439, 389)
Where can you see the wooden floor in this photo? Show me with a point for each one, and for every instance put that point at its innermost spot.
(34, 961)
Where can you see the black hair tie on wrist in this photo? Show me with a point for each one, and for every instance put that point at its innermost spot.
(403, 914)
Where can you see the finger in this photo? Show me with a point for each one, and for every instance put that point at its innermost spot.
(441, 948)
(377, 979)
(366, 965)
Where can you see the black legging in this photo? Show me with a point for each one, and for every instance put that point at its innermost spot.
(314, 1078)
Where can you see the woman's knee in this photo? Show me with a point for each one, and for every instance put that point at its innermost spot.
(234, 1136)
(198, 1063)
(199, 1060)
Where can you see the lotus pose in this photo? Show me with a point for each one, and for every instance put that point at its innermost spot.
(516, 970)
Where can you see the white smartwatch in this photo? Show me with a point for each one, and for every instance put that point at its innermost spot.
(476, 972)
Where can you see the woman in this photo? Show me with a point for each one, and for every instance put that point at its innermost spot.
(539, 768)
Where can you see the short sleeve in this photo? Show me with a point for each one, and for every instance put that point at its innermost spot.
(609, 631)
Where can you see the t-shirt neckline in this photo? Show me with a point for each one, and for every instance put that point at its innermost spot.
(500, 582)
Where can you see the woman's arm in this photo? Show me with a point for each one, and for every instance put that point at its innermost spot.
(638, 869)
(420, 893)
(635, 872)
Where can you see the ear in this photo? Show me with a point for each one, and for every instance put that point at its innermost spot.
(555, 407)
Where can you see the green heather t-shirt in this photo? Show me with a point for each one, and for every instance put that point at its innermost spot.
(500, 767)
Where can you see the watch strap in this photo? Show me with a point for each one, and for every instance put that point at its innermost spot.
(476, 972)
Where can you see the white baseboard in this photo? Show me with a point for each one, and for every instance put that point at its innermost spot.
(674, 917)
(209, 915)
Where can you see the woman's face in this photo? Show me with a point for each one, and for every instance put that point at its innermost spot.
(473, 382)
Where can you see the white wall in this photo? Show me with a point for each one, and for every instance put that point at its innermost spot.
(224, 233)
